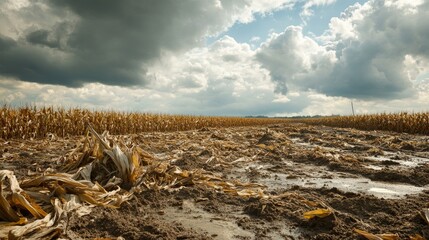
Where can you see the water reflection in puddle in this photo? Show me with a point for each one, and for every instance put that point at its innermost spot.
(322, 177)
(190, 216)
(410, 162)
(357, 185)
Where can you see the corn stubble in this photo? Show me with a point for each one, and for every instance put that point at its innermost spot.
(105, 171)
(33, 122)
(414, 123)
(102, 171)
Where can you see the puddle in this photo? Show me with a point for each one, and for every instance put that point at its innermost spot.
(357, 185)
(322, 177)
(300, 142)
(374, 167)
(190, 216)
(411, 162)
(284, 233)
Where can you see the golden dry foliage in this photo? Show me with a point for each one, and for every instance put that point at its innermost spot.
(370, 236)
(425, 215)
(414, 123)
(320, 213)
(417, 237)
(33, 122)
(101, 171)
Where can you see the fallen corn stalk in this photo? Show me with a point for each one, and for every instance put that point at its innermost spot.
(370, 236)
(319, 213)
(99, 172)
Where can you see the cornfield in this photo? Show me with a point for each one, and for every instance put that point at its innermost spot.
(414, 123)
(33, 122)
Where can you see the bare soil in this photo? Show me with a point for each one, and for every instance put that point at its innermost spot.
(372, 180)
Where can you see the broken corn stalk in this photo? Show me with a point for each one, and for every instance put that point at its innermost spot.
(370, 236)
(417, 237)
(320, 213)
(425, 214)
(18, 198)
(100, 172)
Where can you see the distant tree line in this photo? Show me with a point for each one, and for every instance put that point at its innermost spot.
(258, 116)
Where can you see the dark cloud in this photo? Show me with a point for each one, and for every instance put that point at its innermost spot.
(42, 37)
(369, 65)
(363, 72)
(34, 64)
(107, 41)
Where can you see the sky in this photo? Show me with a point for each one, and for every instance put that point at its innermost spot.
(217, 57)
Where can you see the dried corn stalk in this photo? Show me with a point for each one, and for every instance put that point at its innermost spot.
(414, 123)
(100, 172)
(425, 215)
(417, 237)
(370, 236)
(19, 199)
(33, 122)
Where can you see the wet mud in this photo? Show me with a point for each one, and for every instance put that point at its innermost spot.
(371, 180)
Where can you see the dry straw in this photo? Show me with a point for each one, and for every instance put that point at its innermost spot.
(414, 123)
(33, 122)
(102, 171)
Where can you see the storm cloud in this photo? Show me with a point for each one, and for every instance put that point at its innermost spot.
(72, 42)
(361, 56)
(176, 56)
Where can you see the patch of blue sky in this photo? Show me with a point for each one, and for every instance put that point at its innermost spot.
(423, 77)
(263, 25)
(319, 22)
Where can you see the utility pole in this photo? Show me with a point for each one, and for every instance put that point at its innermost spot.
(353, 110)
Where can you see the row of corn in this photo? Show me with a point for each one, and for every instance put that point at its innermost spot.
(33, 122)
(414, 123)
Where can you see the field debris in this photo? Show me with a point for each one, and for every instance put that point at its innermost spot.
(319, 213)
(99, 172)
(417, 237)
(289, 181)
(425, 215)
(369, 236)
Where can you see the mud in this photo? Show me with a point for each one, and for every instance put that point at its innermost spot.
(372, 180)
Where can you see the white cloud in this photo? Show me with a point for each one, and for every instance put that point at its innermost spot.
(221, 79)
(230, 81)
(361, 56)
(291, 56)
(279, 98)
(306, 9)
(409, 7)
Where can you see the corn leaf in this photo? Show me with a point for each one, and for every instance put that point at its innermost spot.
(425, 214)
(370, 236)
(417, 237)
(320, 213)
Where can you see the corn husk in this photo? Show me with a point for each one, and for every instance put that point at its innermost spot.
(370, 236)
(417, 237)
(425, 215)
(319, 213)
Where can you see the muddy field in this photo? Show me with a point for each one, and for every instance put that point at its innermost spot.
(373, 181)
